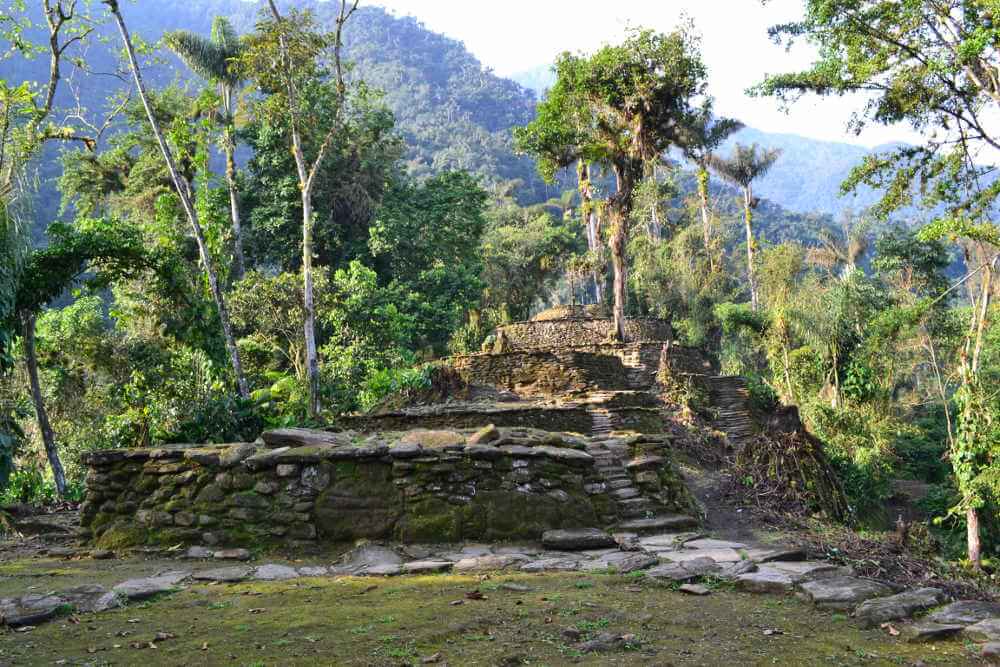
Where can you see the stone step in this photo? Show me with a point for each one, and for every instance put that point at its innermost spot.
(626, 493)
(658, 524)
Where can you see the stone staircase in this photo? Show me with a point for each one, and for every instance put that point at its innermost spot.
(609, 461)
(730, 397)
(602, 422)
(641, 364)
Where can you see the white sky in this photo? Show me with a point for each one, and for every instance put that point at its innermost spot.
(518, 35)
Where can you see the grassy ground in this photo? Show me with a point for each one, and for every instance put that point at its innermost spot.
(359, 621)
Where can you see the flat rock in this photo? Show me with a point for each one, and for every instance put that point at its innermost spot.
(231, 554)
(666, 522)
(29, 609)
(366, 557)
(718, 555)
(683, 572)
(299, 437)
(489, 562)
(733, 570)
(765, 555)
(140, 589)
(602, 643)
(765, 581)
(965, 612)
(384, 570)
(434, 439)
(807, 570)
(984, 631)
(274, 572)
(427, 566)
(843, 592)
(223, 574)
(871, 613)
(928, 631)
(709, 543)
(197, 552)
(314, 571)
(578, 539)
(694, 589)
(551, 565)
(621, 562)
(91, 598)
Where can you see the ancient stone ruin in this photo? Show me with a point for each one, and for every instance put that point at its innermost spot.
(556, 427)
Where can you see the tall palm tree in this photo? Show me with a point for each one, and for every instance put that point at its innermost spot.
(213, 59)
(704, 135)
(840, 255)
(742, 168)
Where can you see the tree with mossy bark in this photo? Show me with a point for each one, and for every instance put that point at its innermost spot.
(742, 168)
(704, 135)
(936, 66)
(621, 108)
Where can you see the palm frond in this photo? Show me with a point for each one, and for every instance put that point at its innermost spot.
(745, 165)
(201, 55)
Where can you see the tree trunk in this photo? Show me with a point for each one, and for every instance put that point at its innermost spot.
(975, 549)
(593, 228)
(229, 143)
(185, 196)
(618, 239)
(48, 437)
(706, 220)
(748, 216)
(312, 357)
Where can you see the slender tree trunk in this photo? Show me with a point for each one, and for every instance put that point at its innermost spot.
(312, 357)
(593, 227)
(618, 264)
(229, 142)
(788, 377)
(185, 196)
(706, 219)
(48, 437)
(975, 548)
(941, 389)
(748, 216)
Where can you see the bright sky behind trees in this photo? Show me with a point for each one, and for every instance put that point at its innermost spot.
(520, 35)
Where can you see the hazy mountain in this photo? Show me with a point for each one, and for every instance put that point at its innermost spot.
(453, 112)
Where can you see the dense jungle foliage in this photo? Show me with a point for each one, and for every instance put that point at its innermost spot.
(144, 284)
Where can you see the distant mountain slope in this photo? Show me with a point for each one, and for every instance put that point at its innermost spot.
(453, 112)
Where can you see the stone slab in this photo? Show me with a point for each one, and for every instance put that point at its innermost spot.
(842, 593)
(872, 613)
(147, 587)
(577, 539)
(965, 612)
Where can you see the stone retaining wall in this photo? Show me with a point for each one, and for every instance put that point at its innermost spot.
(549, 372)
(582, 368)
(545, 334)
(568, 419)
(337, 490)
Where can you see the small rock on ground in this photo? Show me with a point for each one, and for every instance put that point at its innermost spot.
(232, 554)
(197, 552)
(694, 589)
(991, 652)
(765, 581)
(682, 572)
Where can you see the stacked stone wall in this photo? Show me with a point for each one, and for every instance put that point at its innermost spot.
(573, 332)
(250, 495)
